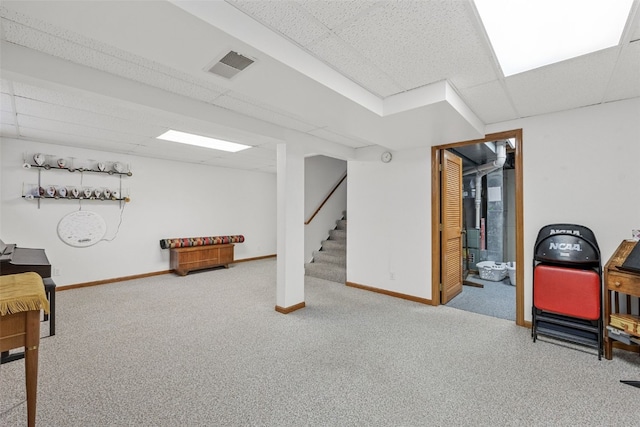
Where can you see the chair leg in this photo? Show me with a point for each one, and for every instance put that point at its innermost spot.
(50, 290)
(52, 309)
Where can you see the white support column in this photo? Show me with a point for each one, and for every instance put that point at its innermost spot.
(290, 246)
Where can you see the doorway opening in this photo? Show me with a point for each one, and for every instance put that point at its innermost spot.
(467, 230)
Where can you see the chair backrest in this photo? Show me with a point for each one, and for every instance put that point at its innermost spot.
(567, 244)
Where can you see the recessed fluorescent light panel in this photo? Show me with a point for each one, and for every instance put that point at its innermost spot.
(527, 34)
(202, 141)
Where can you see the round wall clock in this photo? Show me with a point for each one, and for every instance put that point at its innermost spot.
(386, 157)
(81, 229)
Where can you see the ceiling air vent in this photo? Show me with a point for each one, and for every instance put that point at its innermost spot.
(230, 65)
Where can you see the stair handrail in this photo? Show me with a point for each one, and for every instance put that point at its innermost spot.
(326, 199)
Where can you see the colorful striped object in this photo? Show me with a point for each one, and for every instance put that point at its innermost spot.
(186, 242)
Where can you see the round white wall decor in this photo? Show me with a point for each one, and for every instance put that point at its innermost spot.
(81, 229)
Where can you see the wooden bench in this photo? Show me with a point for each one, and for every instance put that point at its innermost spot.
(198, 253)
(184, 260)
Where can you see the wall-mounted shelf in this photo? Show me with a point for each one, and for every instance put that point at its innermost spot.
(44, 163)
(71, 169)
(103, 199)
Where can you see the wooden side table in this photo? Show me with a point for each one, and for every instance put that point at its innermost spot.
(618, 284)
(22, 297)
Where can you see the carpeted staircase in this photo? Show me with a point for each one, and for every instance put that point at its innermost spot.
(330, 262)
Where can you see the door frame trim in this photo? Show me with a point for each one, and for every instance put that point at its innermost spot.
(436, 159)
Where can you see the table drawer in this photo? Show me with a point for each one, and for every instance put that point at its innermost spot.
(622, 283)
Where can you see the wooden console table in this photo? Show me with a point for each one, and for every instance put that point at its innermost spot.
(184, 260)
(617, 284)
(22, 297)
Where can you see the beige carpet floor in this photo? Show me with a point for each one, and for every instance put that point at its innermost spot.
(209, 349)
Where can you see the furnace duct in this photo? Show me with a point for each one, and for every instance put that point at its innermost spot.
(482, 170)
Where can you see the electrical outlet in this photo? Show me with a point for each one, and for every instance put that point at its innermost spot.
(392, 275)
(56, 271)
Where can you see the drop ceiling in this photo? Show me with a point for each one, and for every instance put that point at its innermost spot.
(335, 76)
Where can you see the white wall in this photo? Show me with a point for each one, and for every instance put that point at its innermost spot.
(389, 233)
(321, 174)
(579, 166)
(168, 199)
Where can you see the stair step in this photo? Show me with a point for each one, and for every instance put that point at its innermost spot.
(334, 245)
(341, 224)
(338, 258)
(326, 271)
(337, 234)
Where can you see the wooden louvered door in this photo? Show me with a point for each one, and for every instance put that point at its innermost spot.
(451, 218)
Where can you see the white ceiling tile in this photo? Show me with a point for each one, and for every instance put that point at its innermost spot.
(7, 120)
(6, 106)
(333, 13)
(284, 17)
(422, 42)
(66, 99)
(77, 130)
(92, 54)
(635, 28)
(223, 163)
(40, 109)
(239, 161)
(575, 82)
(53, 137)
(6, 86)
(95, 105)
(241, 104)
(7, 117)
(333, 51)
(489, 101)
(8, 130)
(385, 46)
(340, 139)
(259, 153)
(625, 82)
(266, 169)
(175, 150)
(270, 146)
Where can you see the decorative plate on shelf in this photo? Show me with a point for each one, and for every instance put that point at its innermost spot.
(117, 166)
(39, 159)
